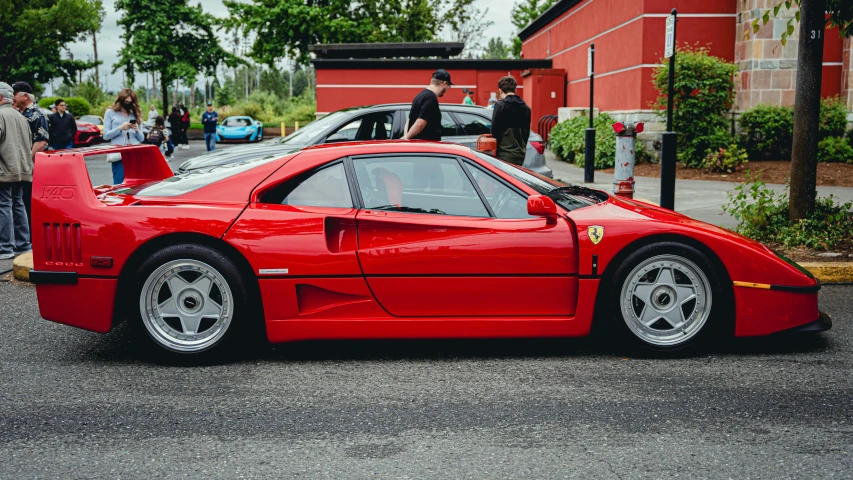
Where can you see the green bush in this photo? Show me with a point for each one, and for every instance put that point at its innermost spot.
(726, 160)
(77, 106)
(568, 138)
(763, 215)
(834, 149)
(703, 95)
(767, 132)
(641, 155)
(833, 118)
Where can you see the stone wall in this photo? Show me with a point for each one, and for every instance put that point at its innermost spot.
(768, 70)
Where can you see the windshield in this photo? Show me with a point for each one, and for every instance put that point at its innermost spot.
(201, 177)
(313, 130)
(236, 122)
(90, 119)
(566, 195)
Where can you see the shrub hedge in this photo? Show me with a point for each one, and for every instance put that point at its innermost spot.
(568, 140)
(767, 132)
(703, 96)
(76, 105)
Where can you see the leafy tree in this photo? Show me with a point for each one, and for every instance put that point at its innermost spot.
(169, 37)
(286, 28)
(496, 49)
(814, 15)
(98, 7)
(276, 81)
(467, 25)
(33, 32)
(300, 82)
(523, 13)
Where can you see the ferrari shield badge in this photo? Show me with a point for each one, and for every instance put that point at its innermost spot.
(596, 233)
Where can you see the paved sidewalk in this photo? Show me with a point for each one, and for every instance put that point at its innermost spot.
(700, 199)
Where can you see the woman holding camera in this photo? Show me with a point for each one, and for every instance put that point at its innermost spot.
(121, 127)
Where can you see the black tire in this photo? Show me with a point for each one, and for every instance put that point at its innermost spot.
(624, 320)
(158, 334)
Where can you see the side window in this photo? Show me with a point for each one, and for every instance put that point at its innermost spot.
(448, 125)
(475, 124)
(348, 130)
(418, 184)
(505, 202)
(326, 187)
(377, 126)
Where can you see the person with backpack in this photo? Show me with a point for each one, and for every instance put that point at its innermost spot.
(159, 135)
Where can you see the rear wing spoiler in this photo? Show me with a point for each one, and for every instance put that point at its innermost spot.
(142, 164)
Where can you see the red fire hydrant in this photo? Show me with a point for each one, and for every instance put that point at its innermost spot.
(623, 175)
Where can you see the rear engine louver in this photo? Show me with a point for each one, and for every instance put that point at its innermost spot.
(62, 244)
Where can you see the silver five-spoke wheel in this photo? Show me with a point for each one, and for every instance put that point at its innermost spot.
(666, 300)
(186, 305)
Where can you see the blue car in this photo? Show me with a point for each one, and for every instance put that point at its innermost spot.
(239, 129)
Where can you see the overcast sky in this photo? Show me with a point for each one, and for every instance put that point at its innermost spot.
(109, 39)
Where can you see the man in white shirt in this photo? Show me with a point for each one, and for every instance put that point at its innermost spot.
(152, 113)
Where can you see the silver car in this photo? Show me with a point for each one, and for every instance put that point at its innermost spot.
(459, 124)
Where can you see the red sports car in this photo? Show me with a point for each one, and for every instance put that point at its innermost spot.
(87, 134)
(390, 240)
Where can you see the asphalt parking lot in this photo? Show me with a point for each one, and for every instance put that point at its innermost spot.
(75, 404)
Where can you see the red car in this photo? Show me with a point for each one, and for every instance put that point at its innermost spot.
(87, 134)
(390, 240)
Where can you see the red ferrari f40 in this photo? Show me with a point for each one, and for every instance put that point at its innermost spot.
(389, 240)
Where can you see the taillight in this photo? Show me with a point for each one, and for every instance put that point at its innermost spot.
(538, 146)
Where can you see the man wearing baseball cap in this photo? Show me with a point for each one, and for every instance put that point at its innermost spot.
(16, 166)
(24, 102)
(425, 117)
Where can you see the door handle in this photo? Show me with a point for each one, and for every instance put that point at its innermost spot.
(375, 213)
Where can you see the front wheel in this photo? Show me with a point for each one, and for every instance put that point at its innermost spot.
(670, 298)
(192, 300)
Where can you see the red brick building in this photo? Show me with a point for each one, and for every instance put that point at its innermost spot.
(629, 44)
(350, 75)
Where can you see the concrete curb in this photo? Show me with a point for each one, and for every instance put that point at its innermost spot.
(21, 266)
(827, 272)
(830, 272)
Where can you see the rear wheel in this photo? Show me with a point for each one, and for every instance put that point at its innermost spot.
(670, 298)
(191, 301)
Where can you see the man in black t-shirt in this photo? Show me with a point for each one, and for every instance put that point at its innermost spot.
(425, 117)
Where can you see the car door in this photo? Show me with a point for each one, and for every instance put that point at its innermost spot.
(430, 245)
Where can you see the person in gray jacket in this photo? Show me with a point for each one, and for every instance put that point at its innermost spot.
(511, 123)
(16, 167)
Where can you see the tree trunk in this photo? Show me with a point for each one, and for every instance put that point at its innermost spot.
(95, 47)
(807, 109)
(165, 87)
(192, 96)
(175, 92)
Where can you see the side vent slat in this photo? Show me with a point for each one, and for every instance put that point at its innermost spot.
(48, 249)
(63, 244)
(77, 238)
